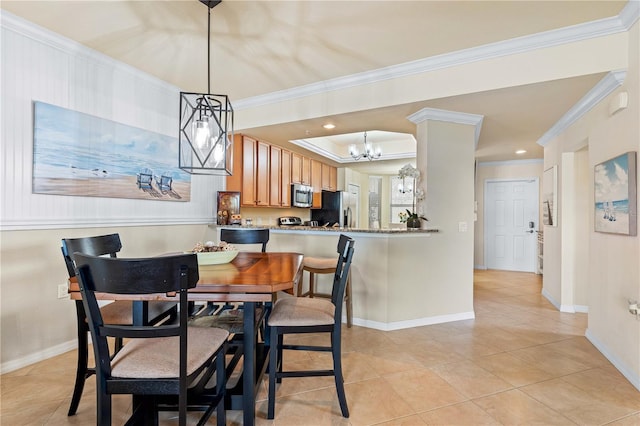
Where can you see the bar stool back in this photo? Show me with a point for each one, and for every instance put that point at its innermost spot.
(324, 265)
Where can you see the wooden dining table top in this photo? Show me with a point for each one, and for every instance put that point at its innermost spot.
(249, 277)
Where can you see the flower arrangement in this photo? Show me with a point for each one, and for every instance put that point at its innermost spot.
(411, 218)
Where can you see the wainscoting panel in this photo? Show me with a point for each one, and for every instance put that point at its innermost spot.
(40, 65)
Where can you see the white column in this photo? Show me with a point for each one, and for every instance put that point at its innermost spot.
(445, 156)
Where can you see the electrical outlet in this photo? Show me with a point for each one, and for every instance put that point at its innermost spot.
(63, 291)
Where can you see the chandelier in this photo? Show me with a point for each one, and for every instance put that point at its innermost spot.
(370, 153)
(205, 137)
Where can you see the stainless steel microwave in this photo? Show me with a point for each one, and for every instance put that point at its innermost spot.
(301, 195)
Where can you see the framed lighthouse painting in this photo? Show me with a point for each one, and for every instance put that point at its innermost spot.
(615, 195)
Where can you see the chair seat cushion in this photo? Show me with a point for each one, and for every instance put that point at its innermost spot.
(160, 357)
(120, 312)
(301, 311)
(319, 262)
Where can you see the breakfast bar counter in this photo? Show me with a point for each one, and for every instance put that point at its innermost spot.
(398, 276)
(307, 229)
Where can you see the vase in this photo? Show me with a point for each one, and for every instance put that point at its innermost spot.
(413, 223)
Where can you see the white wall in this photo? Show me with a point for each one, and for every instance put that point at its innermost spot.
(613, 266)
(38, 65)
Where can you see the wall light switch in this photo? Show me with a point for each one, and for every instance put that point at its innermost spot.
(63, 291)
(462, 226)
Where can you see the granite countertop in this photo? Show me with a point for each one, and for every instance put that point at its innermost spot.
(332, 229)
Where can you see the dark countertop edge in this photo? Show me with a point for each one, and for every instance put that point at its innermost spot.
(323, 229)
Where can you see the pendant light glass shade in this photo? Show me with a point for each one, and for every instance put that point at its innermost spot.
(206, 134)
(205, 138)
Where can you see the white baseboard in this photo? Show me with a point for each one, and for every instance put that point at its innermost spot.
(548, 296)
(480, 267)
(571, 309)
(632, 376)
(16, 364)
(581, 308)
(398, 325)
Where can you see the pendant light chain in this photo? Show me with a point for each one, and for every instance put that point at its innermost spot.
(209, 51)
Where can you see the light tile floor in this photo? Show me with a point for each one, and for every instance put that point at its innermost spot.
(519, 362)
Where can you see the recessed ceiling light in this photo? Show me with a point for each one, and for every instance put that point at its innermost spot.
(521, 151)
(329, 126)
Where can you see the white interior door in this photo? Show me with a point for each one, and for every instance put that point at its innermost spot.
(511, 221)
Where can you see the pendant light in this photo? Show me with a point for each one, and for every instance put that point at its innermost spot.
(205, 138)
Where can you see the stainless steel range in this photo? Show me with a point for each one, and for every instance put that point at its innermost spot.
(289, 221)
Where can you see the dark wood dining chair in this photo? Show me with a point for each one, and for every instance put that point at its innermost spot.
(118, 312)
(296, 315)
(245, 236)
(165, 366)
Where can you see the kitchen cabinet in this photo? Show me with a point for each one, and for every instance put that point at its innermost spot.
(263, 173)
(316, 183)
(296, 167)
(279, 177)
(300, 169)
(329, 177)
(255, 172)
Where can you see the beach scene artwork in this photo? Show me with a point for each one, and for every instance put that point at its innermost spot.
(83, 155)
(615, 195)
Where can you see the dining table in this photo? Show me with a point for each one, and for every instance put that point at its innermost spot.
(252, 278)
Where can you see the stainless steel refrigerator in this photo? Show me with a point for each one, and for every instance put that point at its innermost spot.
(338, 209)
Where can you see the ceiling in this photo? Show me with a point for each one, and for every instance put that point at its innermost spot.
(260, 47)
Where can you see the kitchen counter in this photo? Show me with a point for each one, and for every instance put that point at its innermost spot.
(323, 229)
(398, 276)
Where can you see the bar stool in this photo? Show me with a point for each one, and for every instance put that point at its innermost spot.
(324, 265)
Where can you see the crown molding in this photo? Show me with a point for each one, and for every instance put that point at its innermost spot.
(601, 90)
(630, 13)
(571, 34)
(450, 117)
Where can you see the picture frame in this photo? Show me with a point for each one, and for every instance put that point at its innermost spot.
(550, 196)
(228, 208)
(615, 195)
(78, 154)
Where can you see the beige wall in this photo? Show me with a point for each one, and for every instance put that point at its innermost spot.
(35, 323)
(505, 171)
(613, 266)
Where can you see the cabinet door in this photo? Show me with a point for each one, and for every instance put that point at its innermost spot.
(296, 168)
(333, 178)
(326, 183)
(262, 174)
(234, 182)
(306, 172)
(285, 179)
(275, 177)
(249, 167)
(316, 183)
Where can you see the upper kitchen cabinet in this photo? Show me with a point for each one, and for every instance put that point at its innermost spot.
(329, 177)
(300, 169)
(252, 178)
(316, 183)
(280, 177)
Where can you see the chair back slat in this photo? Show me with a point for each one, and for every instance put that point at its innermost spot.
(345, 255)
(138, 276)
(245, 236)
(95, 246)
